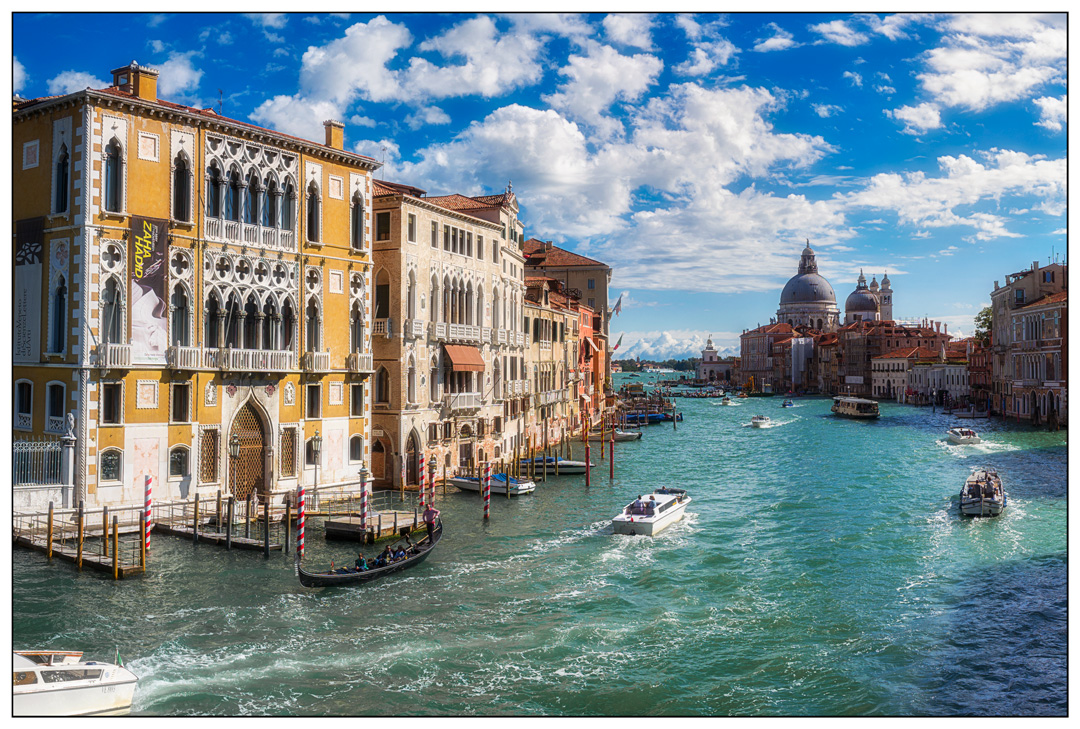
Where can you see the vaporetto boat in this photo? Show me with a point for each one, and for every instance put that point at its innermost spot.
(60, 683)
(498, 484)
(855, 407)
(650, 515)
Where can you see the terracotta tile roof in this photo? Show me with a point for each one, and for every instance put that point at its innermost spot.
(206, 113)
(781, 328)
(538, 254)
(1048, 299)
(383, 188)
(908, 352)
(463, 203)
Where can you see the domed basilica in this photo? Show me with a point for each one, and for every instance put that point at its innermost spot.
(809, 300)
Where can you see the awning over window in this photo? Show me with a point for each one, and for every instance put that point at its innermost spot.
(588, 341)
(464, 358)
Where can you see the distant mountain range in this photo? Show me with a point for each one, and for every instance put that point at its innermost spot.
(659, 346)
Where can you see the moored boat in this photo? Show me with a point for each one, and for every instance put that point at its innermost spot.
(416, 554)
(760, 421)
(963, 436)
(651, 514)
(620, 435)
(498, 484)
(60, 683)
(569, 468)
(742, 394)
(855, 407)
(983, 494)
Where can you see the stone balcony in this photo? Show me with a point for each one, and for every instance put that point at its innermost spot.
(184, 358)
(414, 328)
(359, 363)
(233, 231)
(114, 356)
(316, 362)
(462, 401)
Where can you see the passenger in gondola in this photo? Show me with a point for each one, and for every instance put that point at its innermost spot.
(399, 554)
(361, 563)
(384, 557)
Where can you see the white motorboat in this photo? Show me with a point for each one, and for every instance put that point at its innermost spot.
(983, 494)
(60, 683)
(498, 484)
(855, 407)
(650, 515)
(760, 421)
(787, 404)
(726, 401)
(620, 437)
(963, 436)
(566, 468)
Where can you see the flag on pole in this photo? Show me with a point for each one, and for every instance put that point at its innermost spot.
(618, 342)
(618, 306)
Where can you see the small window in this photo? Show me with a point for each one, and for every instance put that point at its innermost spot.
(412, 228)
(178, 462)
(356, 448)
(114, 171)
(288, 452)
(62, 164)
(357, 221)
(1048, 277)
(181, 190)
(446, 238)
(433, 432)
(109, 464)
(592, 283)
(356, 392)
(480, 247)
(24, 405)
(208, 456)
(181, 398)
(1019, 296)
(434, 234)
(314, 401)
(382, 226)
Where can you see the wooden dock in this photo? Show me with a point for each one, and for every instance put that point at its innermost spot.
(380, 525)
(219, 538)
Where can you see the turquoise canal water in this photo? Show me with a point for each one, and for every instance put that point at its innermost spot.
(824, 570)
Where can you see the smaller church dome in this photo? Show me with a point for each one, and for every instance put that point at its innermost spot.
(861, 300)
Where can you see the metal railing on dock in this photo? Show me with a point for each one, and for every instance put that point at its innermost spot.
(106, 540)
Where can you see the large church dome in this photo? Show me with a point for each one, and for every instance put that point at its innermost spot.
(807, 286)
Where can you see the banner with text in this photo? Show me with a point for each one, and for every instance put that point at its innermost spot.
(29, 254)
(149, 323)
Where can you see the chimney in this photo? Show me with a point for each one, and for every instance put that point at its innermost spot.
(335, 134)
(547, 245)
(138, 80)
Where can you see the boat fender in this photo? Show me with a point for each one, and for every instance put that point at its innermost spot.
(633, 533)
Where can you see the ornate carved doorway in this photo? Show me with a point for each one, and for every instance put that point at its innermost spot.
(246, 470)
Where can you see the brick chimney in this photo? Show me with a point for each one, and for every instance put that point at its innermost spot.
(335, 134)
(138, 80)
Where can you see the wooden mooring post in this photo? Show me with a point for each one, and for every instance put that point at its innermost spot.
(218, 515)
(229, 524)
(49, 532)
(104, 531)
(266, 528)
(288, 521)
(82, 516)
(247, 517)
(195, 523)
(115, 546)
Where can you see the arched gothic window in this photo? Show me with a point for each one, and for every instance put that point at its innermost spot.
(313, 213)
(62, 164)
(251, 200)
(312, 324)
(357, 221)
(112, 313)
(287, 209)
(114, 172)
(212, 324)
(59, 339)
(213, 192)
(288, 327)
(181, 189)
(181, 318)
(232, 197)
(356, 327)
(382, 386)
(270, 203)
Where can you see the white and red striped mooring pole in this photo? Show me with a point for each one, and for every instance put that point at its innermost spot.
(300, 522)
(487, 489)
(421, 476)
(149, 504)
(363, 506)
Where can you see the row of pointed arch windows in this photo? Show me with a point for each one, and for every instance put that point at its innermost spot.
(255, 201)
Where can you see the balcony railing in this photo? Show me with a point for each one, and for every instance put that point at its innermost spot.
(316, 362)
(485, 335)
(380, 327)
(519, 339)
(184, 358)
(414, 328)
(501, 336)
(249, 360)
(218, 229)
(438, 330)
(54, 424)
(24, 420)
(112, 355)
(462, 400)
(465, 333)
(358, 362)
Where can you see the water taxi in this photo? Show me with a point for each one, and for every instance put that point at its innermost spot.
(60, 683)
(983, 494)
(650, 515)
(787, 404)
(498, 484)
(855, 407)
(760, 421)
(742, 395)
(963, 436)
(726, 401)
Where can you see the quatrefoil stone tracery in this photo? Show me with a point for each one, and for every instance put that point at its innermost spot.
(262, 272)
(356, 284)
(243, 270)
(312, 280)
(224, 268)
(111, 257)
(180, 265)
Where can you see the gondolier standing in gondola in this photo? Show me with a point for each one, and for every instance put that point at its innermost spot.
(431, 515)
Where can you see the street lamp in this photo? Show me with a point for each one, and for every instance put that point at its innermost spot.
(234, 453)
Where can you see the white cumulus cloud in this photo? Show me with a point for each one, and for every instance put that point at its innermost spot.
(1053, 112)
(179, 79)
(71, 81)
(630, 30)
(839, 32)
(18, 75)
(917, 119)
(780, 40)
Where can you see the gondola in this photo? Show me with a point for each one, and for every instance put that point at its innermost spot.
(346, 576)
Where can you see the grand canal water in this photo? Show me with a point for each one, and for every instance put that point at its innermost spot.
(824, 570)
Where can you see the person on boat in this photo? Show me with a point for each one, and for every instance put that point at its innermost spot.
(651, 506)
(384, 557)
(399, 554)
(361, 563)
(431, 515)
(638, 507)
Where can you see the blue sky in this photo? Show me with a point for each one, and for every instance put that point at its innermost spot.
(693, 153)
